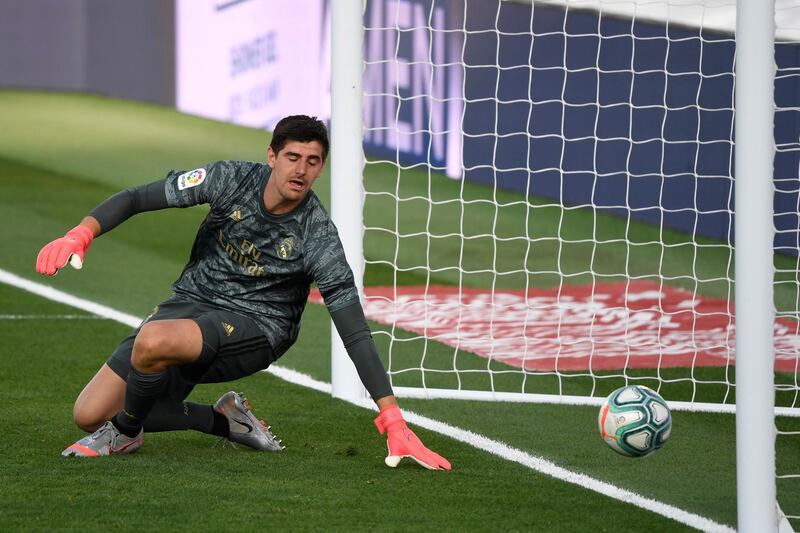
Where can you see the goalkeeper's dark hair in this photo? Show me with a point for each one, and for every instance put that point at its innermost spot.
(300, 128)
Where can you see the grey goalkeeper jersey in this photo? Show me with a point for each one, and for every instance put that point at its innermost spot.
(251, 262)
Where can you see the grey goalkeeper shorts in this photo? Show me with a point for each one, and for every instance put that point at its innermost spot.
(233, 347)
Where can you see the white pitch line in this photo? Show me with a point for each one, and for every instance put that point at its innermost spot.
(51, 317)
(509, 453)
(73, 301)
(481, 442)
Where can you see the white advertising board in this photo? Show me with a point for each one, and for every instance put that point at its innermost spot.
(252, 62)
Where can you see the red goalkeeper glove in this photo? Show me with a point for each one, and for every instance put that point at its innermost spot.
(71, 247)
(403, 443)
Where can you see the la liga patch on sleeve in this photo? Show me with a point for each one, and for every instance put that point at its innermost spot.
(193, 178)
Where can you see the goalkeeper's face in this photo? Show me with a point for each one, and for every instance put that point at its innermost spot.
(294, 170)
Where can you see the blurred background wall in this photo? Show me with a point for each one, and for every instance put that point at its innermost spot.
(119, 48)
(602, 111)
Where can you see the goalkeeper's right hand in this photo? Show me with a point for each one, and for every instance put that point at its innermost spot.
(69, 248)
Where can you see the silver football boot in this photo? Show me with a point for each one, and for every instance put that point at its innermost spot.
(245, 428)
(107, 440)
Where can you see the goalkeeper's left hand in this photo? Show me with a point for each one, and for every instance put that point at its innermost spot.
(403, 443)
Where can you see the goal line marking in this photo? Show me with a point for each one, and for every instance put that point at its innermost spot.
(478, 441)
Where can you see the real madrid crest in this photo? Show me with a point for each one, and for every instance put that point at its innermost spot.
(285, 248)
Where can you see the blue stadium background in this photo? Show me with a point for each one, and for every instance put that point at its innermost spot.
(632, 117)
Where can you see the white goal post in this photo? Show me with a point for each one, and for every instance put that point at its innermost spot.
(347, 163)
(602, 132)
(418, 112)
(755, 152)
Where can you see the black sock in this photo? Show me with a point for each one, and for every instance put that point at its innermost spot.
(169, 415)
(142, 391)
(221, 426)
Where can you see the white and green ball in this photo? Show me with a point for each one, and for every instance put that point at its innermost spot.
(635, 421)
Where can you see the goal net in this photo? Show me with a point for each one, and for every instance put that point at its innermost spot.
(549, 208)
(549, 202)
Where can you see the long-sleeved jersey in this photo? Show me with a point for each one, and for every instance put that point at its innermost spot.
(252, 262)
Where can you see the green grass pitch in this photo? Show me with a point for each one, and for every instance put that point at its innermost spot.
(62, 154)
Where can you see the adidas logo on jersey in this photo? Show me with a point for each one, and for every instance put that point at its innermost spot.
(228, 328)
(236, 215)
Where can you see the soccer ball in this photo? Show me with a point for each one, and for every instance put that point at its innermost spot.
(635, 421)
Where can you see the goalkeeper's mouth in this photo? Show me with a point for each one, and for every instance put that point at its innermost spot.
(297, 185)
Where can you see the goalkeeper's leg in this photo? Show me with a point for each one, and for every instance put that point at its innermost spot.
(230, 417)
(158, 348)
(104, 395)
(145, 382)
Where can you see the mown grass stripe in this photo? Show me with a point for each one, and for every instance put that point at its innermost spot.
(481, 442)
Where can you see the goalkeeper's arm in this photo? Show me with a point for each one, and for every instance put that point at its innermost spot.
(402, 442)
(109, 214)
(123, 205)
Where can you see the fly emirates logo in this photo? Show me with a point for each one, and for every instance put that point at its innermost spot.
(246, 254)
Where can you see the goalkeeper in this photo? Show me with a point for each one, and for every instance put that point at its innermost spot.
(236, 306)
